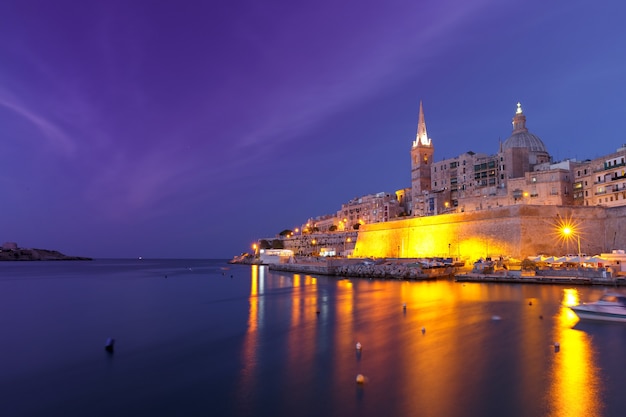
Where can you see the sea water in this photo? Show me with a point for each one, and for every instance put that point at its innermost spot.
(204, 338)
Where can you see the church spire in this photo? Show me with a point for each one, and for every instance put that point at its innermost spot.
(422, 137)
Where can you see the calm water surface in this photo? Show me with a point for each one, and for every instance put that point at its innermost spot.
(196, 339)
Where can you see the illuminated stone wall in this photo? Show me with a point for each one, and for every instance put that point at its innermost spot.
(615, 228)
(517, 231)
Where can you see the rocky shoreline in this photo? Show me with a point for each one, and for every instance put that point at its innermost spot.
(37, 255)
(394, 271)
(357, 268)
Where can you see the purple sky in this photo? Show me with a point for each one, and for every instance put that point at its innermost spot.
(191, 128)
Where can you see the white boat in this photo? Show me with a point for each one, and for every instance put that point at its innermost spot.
(610, 307)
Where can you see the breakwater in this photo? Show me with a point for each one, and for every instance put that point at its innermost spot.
(387, 270)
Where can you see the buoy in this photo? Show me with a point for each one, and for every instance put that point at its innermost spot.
(557, 346)
(495, 318)
(404, 306)
(317, 312)
(423, 330)
(540, 317)
(360, 379)
(358, 346)
(109, 345)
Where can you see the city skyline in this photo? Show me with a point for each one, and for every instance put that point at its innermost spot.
(191, 130)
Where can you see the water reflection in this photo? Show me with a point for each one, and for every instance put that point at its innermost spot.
(250, 358)
(302, 333)
(575, 389)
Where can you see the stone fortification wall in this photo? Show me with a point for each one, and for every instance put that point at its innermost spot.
(517, 231)
(615, 228)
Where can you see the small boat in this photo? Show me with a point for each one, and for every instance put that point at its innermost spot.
(610, 307)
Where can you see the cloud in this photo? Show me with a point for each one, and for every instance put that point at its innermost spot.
(55, 136)
(359, 65)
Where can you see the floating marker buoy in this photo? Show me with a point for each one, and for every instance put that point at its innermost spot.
(557, 346)
(540, 317)
(495, 318)
(360, 379)
(423, 330)
(358, 346)
(404, 306)
(109, 345)
(530, 303)
(317, 312)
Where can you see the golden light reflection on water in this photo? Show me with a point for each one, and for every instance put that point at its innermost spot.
(459, 334)
(575, 389)
(250, 346)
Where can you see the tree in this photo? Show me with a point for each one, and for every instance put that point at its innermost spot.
(332, 228)
(356, 226)
(286, 232)
(264, 244)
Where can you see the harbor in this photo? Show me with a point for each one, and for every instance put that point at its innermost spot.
(533, 270)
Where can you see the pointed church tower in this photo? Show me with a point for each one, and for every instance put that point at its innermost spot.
(421, 159)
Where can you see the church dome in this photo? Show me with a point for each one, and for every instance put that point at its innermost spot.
(524, 140)
(521, 137)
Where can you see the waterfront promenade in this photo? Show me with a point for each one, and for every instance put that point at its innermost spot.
(540, 279)
(414, 269)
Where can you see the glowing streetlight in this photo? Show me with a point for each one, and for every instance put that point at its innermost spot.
(568, 231)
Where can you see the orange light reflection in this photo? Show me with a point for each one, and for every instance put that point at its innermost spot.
(575, 389)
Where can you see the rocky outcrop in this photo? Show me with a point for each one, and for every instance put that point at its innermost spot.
(21, 254)
(395, 271)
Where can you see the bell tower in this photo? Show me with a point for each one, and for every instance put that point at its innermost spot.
(421, 158)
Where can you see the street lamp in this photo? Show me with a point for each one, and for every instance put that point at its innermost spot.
(569, 231)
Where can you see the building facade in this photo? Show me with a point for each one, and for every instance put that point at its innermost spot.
(521, 172)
